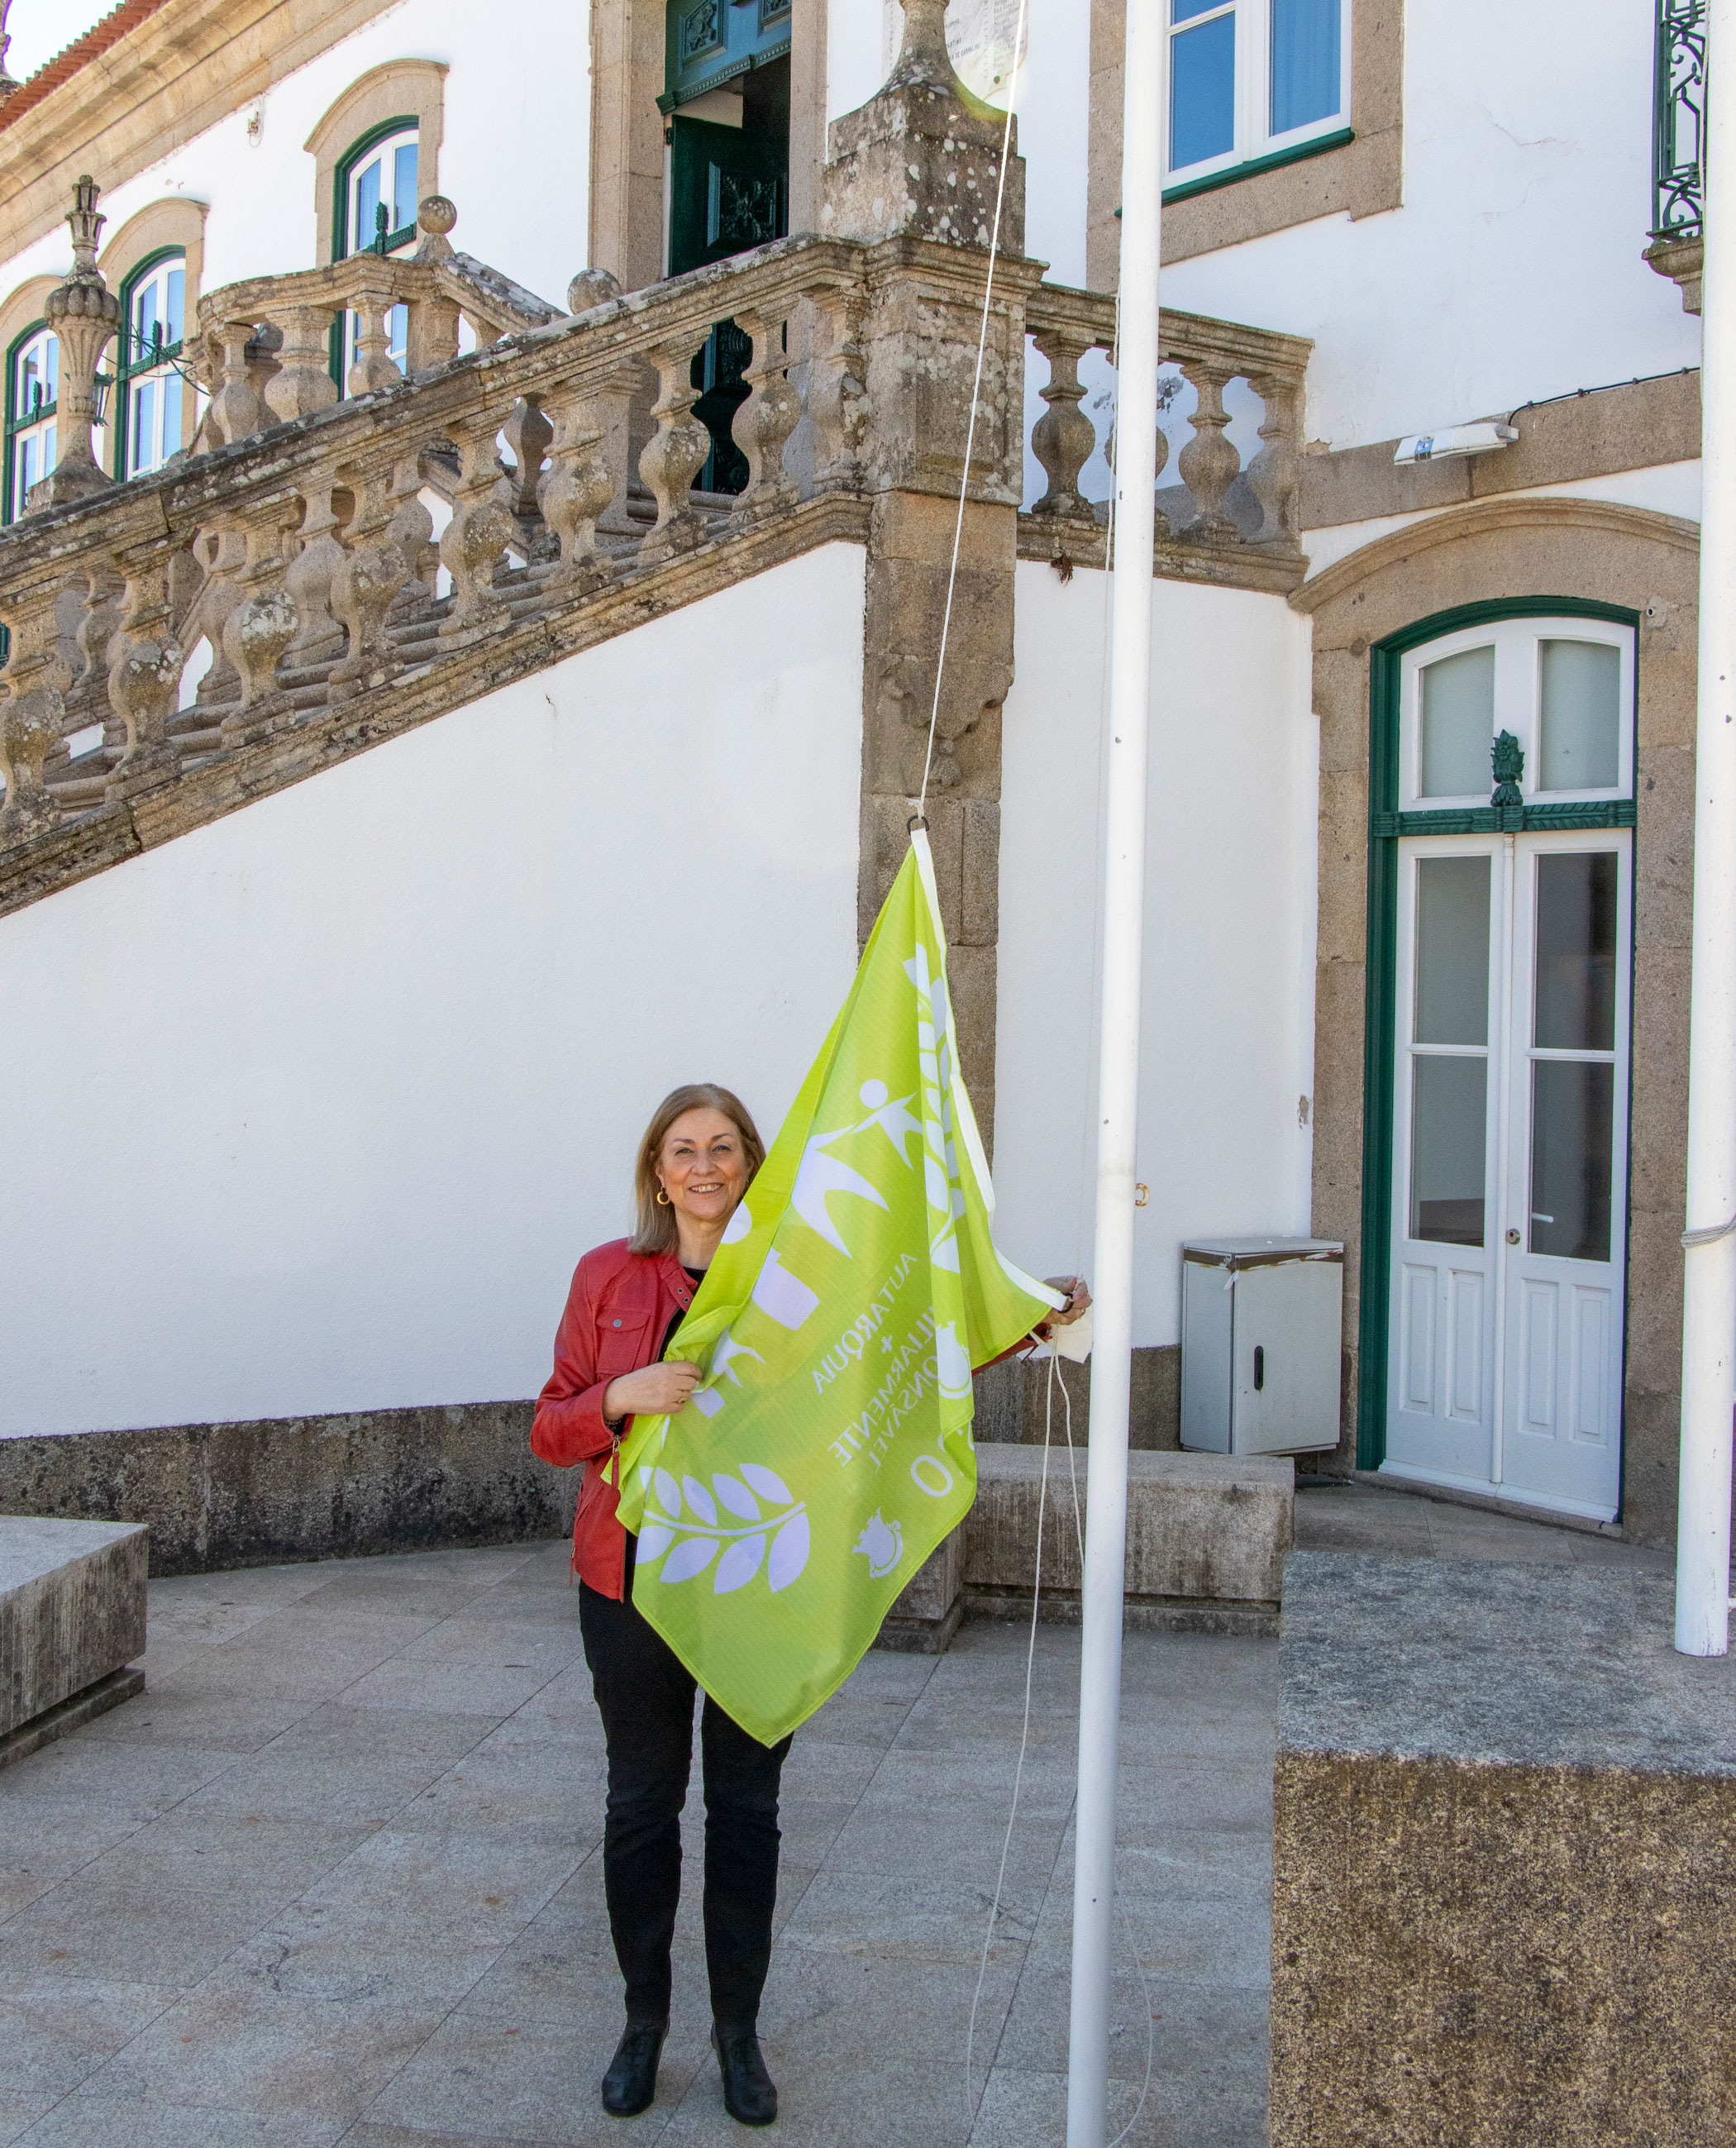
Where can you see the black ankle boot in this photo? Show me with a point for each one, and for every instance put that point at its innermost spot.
(748, 2093)
(631, 2080)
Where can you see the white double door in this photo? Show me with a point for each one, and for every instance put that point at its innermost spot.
(1510, 1166)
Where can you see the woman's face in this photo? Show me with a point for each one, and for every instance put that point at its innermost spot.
(702, 1166)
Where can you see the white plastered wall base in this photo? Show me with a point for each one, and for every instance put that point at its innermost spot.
(1227, 1045)
(325, 1099)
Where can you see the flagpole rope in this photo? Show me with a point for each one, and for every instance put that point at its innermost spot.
(982, 339)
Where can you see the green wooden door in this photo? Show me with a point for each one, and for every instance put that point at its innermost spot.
(729, 192)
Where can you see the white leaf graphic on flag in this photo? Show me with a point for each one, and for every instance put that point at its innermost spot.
(699, 1500)
(734, 1494)
(768, 1483)
(669, 1492)
(653, 1542)
(692, 1556)
(789, 1548)
(739, 1564)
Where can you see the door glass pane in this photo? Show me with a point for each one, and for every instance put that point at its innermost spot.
(1304, 61)
(1453, 951)
(404, 185)
(1572, 1117)
(1448, 1118)
(1582, 689)
(366, 207)
(1203, 93)
(1458, 725)
(1576, 907)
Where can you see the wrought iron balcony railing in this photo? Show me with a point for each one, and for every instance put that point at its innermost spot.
(1679, 119)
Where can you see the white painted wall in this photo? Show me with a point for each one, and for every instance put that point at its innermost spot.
(315, 1108)
(1227, 1045)
(515, 157)
(1513, 269)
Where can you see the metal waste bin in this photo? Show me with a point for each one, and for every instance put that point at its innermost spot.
(1261, 1328)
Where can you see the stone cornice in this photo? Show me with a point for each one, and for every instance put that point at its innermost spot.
(183, 67)
(90, 842)
(1542, 511)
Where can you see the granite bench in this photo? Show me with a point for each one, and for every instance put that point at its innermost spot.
(72, 1619)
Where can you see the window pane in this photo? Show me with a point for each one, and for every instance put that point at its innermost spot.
(1449, 1117)
(1453, 951)
(170, 415)
(51, 366)
(145, 425)
(1203, 93)
(1582, 683)
(404, 185)
(1576, 902)
(1184, 11)
(176, 306)
(1458, 725)
(1571, 1115)
(1304, 61)
(367, 207)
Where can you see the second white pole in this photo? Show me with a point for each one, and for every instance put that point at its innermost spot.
(1709, 1310)
(1130, 675)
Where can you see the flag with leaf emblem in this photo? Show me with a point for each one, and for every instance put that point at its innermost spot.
(827, 1451)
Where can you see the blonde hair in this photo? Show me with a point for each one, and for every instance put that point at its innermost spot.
(655, 1232)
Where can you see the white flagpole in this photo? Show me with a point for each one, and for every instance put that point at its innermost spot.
(1709, 1311)
(1130, 671)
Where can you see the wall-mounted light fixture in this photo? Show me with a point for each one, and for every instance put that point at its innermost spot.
(1479, 440)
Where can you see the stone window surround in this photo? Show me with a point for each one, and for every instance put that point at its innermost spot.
(176, 220)
(626, 233)
(1539, 547)
(1360, 177)
(409, 88)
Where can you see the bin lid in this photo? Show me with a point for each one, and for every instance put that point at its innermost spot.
(1260, 1253)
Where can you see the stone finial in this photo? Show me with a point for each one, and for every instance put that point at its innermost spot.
(8, 82)
(921, 158)
(592, 286)
(435, 217)
(84, 314)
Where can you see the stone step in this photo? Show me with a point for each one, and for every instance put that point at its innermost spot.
(72, 1619)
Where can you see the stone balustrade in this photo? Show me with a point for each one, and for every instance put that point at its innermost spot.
(395, 550)
(1231, 523)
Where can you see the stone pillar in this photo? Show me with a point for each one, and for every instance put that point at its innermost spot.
(84, 314)
(921, 162)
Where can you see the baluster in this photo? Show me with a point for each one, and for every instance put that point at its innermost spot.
(479, 531)
(235, 412)
(145, 662)
(262, 624)
(1275, 473)
(374, 365)
(764, 422)
(303, 383)
(837, 392)
(374, 569)
(576, 488)
(87, 697)
(671, 458)
(1209, 465)
(307, 578)
(527, 432)
(210, 611)
(1063, 438)
(36, 678)
(411, 528)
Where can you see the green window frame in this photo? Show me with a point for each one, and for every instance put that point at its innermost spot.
(16, 420)
(131, 364)
(1387, 825)
(388, 242)
(1253, 85)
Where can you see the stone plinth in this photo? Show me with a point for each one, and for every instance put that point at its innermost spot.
(1504, 1861)
(72, 1617)
(1206, 1537)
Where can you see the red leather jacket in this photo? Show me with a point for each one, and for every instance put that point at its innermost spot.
(617, 1313)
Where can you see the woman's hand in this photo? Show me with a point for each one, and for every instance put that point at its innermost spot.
(1078, 1298)
(652, 1391)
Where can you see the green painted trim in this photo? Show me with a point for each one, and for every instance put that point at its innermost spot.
(124, 373)
(14, 423)
(1185, 189)
(1385, 825)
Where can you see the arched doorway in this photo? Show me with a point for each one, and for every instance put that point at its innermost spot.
(726, 107)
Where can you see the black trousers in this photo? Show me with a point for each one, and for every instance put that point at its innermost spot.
(645, 1695)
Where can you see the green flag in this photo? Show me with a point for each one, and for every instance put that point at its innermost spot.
(827, 1449)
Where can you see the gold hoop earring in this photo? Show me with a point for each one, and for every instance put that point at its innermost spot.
(662, 1198)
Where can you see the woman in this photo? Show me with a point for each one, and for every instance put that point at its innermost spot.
(627, 1299)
